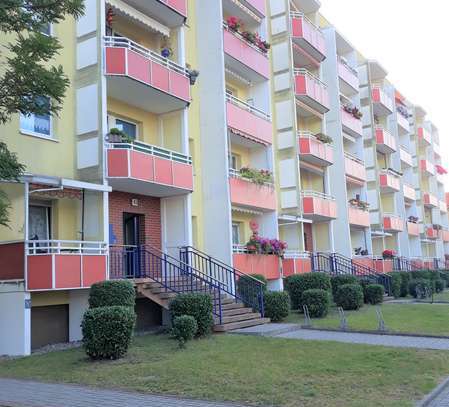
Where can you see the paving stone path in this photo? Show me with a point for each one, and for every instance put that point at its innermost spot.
(18, 393)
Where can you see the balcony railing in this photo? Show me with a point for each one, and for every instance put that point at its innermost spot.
(248, 121)
(443, 206)
(405, 156)
(351, 125)
(249, 263)
(431, 232)
(311, 90)
(358, 217)
(64, 264)
(382, 103)
(308, 36)
(295, 262)
(149, 169)
(413, 229)
(348, 74)
(424, 137)
(318, 206)
(314, 151)
(393, 223)
(427, 168)
(409, 192)
(430, 200)
(403, 123)
(445, 235)
(389, 181)
(354, 169)
(385, 142)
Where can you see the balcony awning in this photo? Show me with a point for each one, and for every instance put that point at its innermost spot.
(246, 136)
(122, 8)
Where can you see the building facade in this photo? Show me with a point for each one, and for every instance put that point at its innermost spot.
(288, 134)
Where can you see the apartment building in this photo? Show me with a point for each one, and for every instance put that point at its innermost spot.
(153, 172)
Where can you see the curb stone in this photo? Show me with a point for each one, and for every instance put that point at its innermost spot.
(425, 402)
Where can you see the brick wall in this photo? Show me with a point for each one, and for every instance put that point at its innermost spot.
(150, 222)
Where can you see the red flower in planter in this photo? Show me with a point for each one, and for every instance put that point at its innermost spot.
(234, 23)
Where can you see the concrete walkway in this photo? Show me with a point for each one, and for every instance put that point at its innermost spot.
(18, 393)
(292, 331)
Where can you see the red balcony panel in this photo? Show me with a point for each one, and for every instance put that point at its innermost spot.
(432, 233)
(266, 265)
(311, 91)
(430, 200)
(351, 125)
(382, 103)
(249, 194)
(406, 157)
(171, 13)
(393, 223)
(67, 271)
(246, 55)
(314, 151)
(424, 136)
(389, 182)
(180, 6)
(385, 142)
(446, 197)
(364, 261)
(308, 37)
(94, 267)
(403, 124)
(383, 266)
(258, 6)
(296, 266)
(40, 272)
(319, 208)
(358, 217)
(445, 235)
(355, 170)
(249, 123)
(12, 263)
(427, 168)
(413, 229)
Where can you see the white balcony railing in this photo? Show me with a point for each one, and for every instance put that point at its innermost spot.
(34, 247)
(243, 105)
(305, 72)
(315, 194)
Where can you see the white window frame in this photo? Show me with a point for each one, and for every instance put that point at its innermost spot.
(112, 123)
(35, 133)
(50, 34)
(233, 157)
(237, 226)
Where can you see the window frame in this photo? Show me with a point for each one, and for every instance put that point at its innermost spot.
(112, 123)
(236, 227)
(35, 133)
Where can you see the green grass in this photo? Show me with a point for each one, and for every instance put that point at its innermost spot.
(444, 296)
(254, 370)
(432, 319)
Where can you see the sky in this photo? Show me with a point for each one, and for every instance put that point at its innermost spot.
(410, 39)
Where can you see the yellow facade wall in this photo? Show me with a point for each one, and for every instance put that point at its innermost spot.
(321, 236)
(16, 229)
(41, 299)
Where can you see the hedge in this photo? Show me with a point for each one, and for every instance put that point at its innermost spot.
(439, 285)
(340, 280)
(374, 294)
(405, 280)
(317, 302)
(197, 305)
(349, 297)
(112, 293)
(419, 286)
(296, 284)
(277, 305)
(107, 331)
(184, 329)
(396, 281)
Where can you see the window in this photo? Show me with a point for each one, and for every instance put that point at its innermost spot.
(233, 162)
(235, 233)
(37, 124)
(130, 129)
(46, 29)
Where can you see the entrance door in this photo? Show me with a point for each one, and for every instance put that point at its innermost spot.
(131, 239)
(308, 237)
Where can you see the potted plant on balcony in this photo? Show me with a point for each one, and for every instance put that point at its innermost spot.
(263, 245)
(259, 177)
(388, 254)
(234, 23)
(166, 49)
(413, 219)
(118, 136)
(324, 138)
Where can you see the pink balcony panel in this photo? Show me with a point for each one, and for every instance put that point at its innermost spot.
(409, 192)
(319, 208)
(393, 224)
(355, 171)
(65, 271)
(446, 198)
(389, 183)
(382, 103)
(383, 266)
(308, 37)
(445, 235)
(250, 124)
(424, 137)
(413, 229)
(312, 92)
(267, 265)
(358, 217)
(443, 207)
(180, 6)
(351, 125)
(249, 194)
(258, 6)
(348, 76)
(245, 54)
(296, 266)
(432, 233)
(427, 167)
(385, 142)
(315, 152)
(430, 200)
(406, 157)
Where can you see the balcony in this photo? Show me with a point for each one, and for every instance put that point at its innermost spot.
(358, 217)
(436, 150)
(249, 122)
(355, 170)
(244, 58)
(385, 142)
(413, 229)
(406, 157)
(393, 223)
(389, 182)
(403, 124)
(427, 168)
(424, 137)
(431, 232)
(256, 6)
(248, 263)
(409, 193)
(445, 236)
(62, 264)
(144, 169)
(318, 206)
(443, 207)
(314, 151)
(144, 79)
(431, 201)
(349, 77)
(296, 263)
(311, 91)
(248, 194)
(308, 37)
(171, 13)
(351, 125)
(382, 103)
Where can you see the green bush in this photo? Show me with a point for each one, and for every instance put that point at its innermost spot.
(249, 291)
(112, 293)
(396, 281)
(107, 331)
(277, 305)
(418, 287)
(340, 280)
(444, 274)
(405, 280)
(374, 294)
(296, 284)
(349, 297)
(198, 306)
(439, 285)
(184, 329)
(317, 302)
(421, 274)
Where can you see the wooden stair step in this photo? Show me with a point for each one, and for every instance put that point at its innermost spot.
(241, 324)
(232, 305)
(240, 317)
(236, 311)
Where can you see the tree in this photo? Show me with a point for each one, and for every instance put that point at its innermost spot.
(27, 73)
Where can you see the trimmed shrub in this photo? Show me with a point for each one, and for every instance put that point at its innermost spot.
(112, 293)
(198, 306)
(249, 291)
(349, 297)
(317, 301)
(418, 287)
(421, 274)
(444, 275)
(296, 285)
(277, 305)
(340, 280)
(107, 331)
(440, 285)
(374, 294)
(184, 329)
(405, 280)
(396, 281)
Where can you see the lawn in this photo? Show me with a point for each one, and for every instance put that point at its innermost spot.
(432, 319)
(253, 370)
(444, 296)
